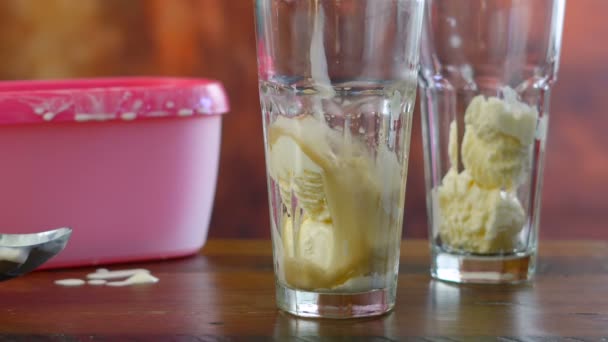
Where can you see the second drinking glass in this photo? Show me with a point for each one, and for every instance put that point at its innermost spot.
(487, 68)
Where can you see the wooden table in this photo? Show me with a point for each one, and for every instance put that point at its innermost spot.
(227, 293)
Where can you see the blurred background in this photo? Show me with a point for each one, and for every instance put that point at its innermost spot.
(215, 39)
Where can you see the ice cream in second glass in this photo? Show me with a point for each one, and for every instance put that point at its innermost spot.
(479, 211)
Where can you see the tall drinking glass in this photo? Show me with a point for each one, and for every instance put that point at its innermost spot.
(487, 67)
(337, 87)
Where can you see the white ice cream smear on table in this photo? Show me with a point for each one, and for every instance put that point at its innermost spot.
(103, 276)
(70, 282)
(97, 282)
(111, 275)
(136, 279)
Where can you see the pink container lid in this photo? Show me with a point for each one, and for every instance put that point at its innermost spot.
(104, 99)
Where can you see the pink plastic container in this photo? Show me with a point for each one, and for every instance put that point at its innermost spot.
(129, 164)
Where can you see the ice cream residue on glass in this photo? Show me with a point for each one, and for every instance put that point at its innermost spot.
(338, 201)
(478, 207)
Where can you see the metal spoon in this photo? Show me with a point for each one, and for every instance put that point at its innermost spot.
(22, 253)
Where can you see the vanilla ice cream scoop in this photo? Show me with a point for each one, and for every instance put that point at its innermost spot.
(312, 242)
(496, 161)
(478, 208)
(497, 142)
(308, 261)
(476, 219)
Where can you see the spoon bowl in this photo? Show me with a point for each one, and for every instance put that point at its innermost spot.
(23, 253)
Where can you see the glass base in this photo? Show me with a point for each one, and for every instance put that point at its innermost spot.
(335, 305)
(491, 269)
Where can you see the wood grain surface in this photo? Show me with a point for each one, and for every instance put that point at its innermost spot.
(227, 293)
(215, 38)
